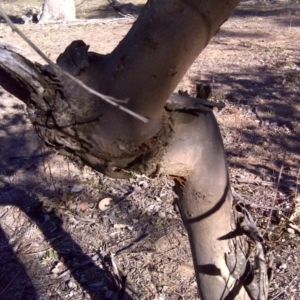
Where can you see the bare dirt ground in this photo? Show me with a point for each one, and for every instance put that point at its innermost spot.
(56, 243)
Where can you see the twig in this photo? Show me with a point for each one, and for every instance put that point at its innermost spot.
(275, 195)
(111, 100)
(285, 288)
(248, 203)
(37, 252)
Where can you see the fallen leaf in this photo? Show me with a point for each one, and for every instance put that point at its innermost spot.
(84, 206)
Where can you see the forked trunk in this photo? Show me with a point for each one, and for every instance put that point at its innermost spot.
(145, 68)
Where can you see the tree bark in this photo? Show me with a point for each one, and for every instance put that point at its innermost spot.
(197, 162)
(184, 143)
(53, 10)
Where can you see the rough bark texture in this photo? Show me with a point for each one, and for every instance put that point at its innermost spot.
(58, 10)
(184, 143)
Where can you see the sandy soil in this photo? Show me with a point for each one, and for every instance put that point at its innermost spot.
(55, 242)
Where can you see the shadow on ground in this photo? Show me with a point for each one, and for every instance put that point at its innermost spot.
(92, 279)
(113, 11)
(21, 153)
(269, 97)
(29, 207)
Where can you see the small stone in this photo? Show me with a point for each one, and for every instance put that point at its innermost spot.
(105, 204)
(161, 214)
(72, 206)
(161, 297)
(290, 230)
(76, 189)
(143, 184)
(72, 285)
(283, 266)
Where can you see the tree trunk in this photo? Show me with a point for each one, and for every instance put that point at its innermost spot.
(53, 10)
(145, 68)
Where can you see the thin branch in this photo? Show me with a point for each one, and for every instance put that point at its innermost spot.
(108, 99)
(249, 203)
(285, 288)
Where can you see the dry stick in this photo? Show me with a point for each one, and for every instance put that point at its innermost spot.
(275, 196)
(248, 203)
(108, 99)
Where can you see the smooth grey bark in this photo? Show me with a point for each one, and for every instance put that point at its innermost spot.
(53, 10)
(197, 160)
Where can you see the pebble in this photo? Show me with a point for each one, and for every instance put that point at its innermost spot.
(76, 189)
(161, 214)
(283, 266)
(73, 206)
(72, 284)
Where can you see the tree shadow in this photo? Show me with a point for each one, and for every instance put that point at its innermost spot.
(266, 94)
(225, 33)
(13, 276)
(94, 280)
(286, 15)
(260, 10)
(269, 98)
(18, 150)
(108, 11)
(21, 153)
(14, 19)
